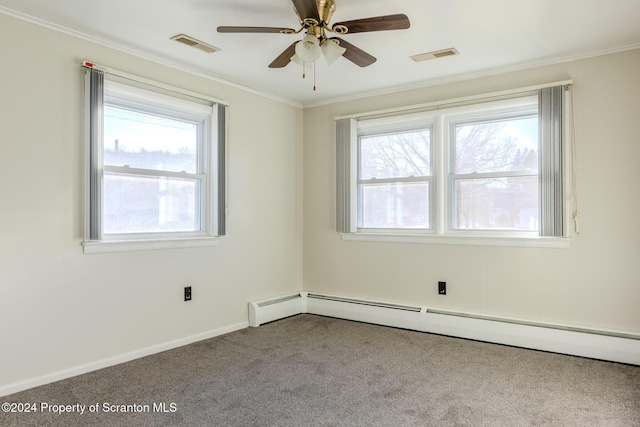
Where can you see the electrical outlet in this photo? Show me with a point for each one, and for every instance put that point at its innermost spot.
(442, 288)
(187, 293)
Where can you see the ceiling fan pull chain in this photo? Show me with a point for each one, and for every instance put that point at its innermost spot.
(314, 76)
(304, 69)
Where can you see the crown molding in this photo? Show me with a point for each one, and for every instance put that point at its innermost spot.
(142, 54)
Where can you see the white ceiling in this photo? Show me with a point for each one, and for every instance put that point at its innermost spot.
(491, 36)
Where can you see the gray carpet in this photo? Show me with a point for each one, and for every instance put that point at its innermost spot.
(316, 371)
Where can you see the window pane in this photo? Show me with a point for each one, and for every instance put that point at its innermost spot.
(396, 155)
(397, 205)
(146, 141)
(135, 204)
(497, 146)
(497, 203)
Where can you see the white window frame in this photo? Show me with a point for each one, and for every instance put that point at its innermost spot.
(498, 110)
(158, 99)
(442, 117)
(389, 125)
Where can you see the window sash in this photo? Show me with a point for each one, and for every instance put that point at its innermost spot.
(481, 175)
(201, 122)
(477, 119)
(370, 183)
(126, 170)
(394, 180)
(389, 127)
(497, 229)
(162, 210)
(390, 133)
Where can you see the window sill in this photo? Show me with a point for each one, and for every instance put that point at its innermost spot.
(532, 242)
(111, 246)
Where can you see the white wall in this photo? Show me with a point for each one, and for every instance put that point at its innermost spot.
(60, 309)
(594, 283)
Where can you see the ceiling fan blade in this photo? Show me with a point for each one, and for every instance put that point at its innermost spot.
(285, 57)
(255, 30)
(355, 54)
(306, 9)
(377, 23)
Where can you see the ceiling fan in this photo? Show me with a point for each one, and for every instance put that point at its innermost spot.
(314, 17)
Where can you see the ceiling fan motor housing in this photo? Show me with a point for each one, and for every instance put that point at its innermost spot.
(325, 10)
(313, 27)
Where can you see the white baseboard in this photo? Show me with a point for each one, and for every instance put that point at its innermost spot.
(115, 360)
(405, 317)
(265, 311)
(594, 344)
(613, 346)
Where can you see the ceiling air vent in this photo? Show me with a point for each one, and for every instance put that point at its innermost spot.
(190, 41)
(435, 54)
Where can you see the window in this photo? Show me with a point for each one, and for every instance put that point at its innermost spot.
(394, 178)
(494, 173)
(156, 165)
(490, 169)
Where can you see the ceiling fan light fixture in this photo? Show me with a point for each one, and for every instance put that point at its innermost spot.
(308, 49)
(331, 51)
(297, 60)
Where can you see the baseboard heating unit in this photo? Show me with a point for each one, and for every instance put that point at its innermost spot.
(614, 346)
